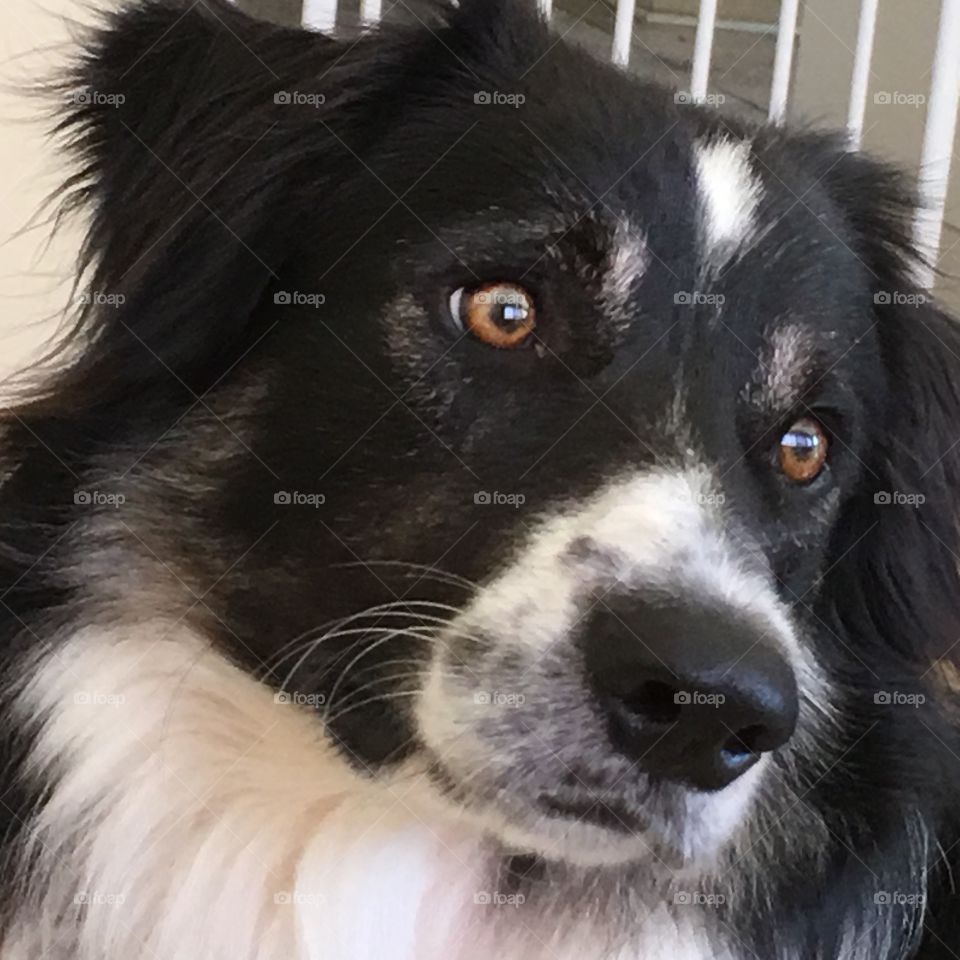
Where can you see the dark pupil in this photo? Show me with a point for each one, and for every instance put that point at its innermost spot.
(804, 445)
(509, 311)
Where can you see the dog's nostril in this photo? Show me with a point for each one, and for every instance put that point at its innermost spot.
(653, 701)
(745, 742)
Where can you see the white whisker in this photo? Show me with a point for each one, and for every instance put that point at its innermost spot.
(362, 633)
(391, 609)
(425, 571)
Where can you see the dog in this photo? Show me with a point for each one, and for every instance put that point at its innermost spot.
(484, 506)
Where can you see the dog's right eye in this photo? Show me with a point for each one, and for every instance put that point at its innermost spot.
(501, 315)
(803, 451)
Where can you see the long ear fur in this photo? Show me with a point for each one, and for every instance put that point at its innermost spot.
(168, 122)
(195, 131)
(898, 586)
(204, 142)
(891, 590)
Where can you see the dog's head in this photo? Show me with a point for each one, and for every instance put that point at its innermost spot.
(594, 446)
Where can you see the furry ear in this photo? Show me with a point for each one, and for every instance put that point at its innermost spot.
(201, 139)
(898, 582)
(913, 553)
(206, 144)
(170, 119)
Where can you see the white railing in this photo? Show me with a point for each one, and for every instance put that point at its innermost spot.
(320, 14)
(938, 137)
(783, 60)
(703, 49)
(860, 81)
(943, 100)
(623, 32)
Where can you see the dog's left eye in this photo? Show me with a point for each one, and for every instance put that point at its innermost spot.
(803, 451)
(500, 314)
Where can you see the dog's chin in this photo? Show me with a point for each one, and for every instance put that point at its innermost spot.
(578, 844)
(682, 830)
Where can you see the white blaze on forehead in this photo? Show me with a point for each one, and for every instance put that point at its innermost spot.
(729, 193)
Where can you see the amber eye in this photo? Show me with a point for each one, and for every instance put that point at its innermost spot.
(500, 314)
(803, 451)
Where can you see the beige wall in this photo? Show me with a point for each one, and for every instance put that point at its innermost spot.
(760, 11)
(35, 271)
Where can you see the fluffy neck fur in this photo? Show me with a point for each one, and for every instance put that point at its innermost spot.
(191, 814)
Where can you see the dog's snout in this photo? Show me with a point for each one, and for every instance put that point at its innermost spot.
(692, 694)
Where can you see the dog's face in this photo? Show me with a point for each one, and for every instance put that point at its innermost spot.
(571, 376)
(565, 419)
(635, 439)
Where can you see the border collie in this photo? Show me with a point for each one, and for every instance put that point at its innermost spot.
(485, 507)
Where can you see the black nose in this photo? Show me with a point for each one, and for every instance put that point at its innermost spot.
(692, 694)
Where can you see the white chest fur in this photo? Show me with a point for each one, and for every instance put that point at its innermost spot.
(191, 815)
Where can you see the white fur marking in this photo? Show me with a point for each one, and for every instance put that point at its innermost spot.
(729, 196)
(786, 367)
(627, 263)
(661, 531)
(191, 815)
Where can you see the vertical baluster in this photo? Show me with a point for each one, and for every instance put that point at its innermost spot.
(320, 14)
(939, 135)
(623, 32)
(371, 10)
(860, 82)
(783, 59)
(703, 49)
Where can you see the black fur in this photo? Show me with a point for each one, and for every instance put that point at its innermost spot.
(209, 199)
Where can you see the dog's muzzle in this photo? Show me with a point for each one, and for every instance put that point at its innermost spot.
(622, 681)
